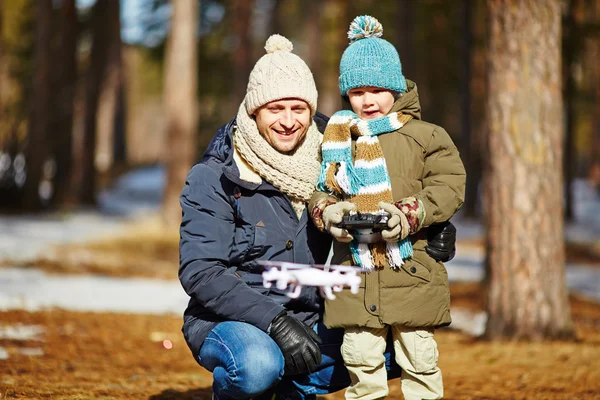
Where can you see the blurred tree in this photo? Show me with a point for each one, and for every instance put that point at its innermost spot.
(336, 20)
(104, 15)
(594, 169)
(65, 70)
(242, 9)
(181, 103)
(37, 151)
(571, 46)
(313, 29)
(405, 37)
(528, 298)
(2, 79)
(468, 155)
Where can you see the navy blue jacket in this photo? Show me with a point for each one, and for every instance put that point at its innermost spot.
(227, 225)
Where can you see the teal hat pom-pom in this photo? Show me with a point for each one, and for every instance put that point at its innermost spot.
(364, 26)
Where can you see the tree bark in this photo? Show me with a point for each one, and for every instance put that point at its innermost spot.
(66, 69)
(109, 133)
(405, 40)
(569, 163)
(180, 103)
(242, 9)
(102, 14)
(594, 169)
(37, 151)
(528, 298)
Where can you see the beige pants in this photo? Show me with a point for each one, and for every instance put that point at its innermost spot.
(416, 353)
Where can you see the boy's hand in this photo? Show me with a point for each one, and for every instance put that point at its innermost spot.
(398, 227)
(332, 215)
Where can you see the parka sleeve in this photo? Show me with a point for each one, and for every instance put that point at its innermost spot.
(206, 241)
(443, 179)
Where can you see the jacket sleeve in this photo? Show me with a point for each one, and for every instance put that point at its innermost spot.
(206, 241)
(444, 179)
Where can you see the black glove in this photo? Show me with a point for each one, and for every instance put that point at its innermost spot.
(441, 241)
(298, 343)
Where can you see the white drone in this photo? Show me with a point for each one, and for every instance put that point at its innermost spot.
(328, 278)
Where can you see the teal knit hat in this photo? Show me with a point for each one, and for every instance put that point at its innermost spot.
(370, 60)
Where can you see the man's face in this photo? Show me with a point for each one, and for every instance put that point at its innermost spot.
(283, 123)
(371, 102)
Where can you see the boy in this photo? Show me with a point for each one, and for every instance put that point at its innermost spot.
(381, 158)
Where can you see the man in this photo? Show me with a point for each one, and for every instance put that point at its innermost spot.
(246, 201)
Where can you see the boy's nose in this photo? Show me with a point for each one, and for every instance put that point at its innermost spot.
(368, 99)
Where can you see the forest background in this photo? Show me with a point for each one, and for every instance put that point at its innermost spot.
(95, 96)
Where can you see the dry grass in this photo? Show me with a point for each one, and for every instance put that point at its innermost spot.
(111, 356)
(117, 356)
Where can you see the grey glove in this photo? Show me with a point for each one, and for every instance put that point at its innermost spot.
(332, 215)
(398, 227)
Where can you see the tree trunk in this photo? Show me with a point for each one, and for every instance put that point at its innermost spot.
(334, 42)
(405, 40)
(594, 170)
(110, 95)
(569, 163)
(242, 9)
(102, 14)
(37, 137)
(528, 297)
(313, 29)
(467, 153)
(180, 103)
(66, 67)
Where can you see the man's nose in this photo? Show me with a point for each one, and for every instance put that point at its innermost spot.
(287, 119)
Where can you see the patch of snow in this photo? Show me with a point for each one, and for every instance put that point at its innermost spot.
(468, 321)
(3, 354)
(30, 351)
(22, 332)
(34, 290)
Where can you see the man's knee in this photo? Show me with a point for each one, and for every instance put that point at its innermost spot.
(259, 369)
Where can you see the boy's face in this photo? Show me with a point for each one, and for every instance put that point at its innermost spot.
(283, 123)
(371, 102)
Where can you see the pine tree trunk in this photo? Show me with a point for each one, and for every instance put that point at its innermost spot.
(64, 107)
(102, 13)
(594, 170)
(242, 9)
(528, 297)
(110, 95)
(180, 103)
(37, 151)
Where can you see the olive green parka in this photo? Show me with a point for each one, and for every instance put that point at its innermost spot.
(422, 162)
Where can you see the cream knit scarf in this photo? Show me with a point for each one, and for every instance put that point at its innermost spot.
(295, 174)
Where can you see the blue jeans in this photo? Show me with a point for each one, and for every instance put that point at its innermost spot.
(246, 363)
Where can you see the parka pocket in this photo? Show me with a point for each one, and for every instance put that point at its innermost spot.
(258, 242)
(416, 269)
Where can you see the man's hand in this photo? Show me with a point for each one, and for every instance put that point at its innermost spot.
(398, 227)
(332, 215)
(298, 343)
(441, 241)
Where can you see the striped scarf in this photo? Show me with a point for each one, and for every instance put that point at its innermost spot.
(364, 180)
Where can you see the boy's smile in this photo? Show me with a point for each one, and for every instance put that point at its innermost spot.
(371, 102)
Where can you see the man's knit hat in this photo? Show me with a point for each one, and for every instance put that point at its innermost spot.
(280, 74)
(370, 60)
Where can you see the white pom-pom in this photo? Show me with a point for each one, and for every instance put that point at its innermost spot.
(364, 26)
(278, 43)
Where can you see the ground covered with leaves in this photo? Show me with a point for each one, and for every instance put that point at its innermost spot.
(80, 356)
(115, 356)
